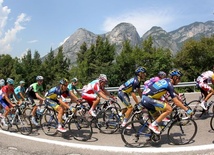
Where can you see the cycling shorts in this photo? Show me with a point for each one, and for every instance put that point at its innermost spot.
(89, 97)
(4, 103)
(124, 97)
(152, 105)
(52, 103)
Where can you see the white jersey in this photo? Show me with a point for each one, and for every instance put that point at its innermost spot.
(207, 77)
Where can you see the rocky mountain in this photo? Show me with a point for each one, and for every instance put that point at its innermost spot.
(125, 31)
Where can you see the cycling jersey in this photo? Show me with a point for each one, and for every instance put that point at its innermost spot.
(71, 87)
(55, 93)
(131, 85)
(5, 90)
(206, 77)
(89, 91)
(31, 90)
(18, 90)
(203, 80)
(159, 88)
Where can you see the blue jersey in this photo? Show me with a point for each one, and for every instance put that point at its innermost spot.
(131, 85)
(18, 90)
(159, 88)
(55, 93)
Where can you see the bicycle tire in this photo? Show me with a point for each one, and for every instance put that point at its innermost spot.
(80, 128)
(5, 128)
(108, 121)
(212, 122)
(137, 136)
(49, 123)
(198, 111)
(25, 125)
(182, 132)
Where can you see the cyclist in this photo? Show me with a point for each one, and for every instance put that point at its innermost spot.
(161, 75)
(5, 93)
(130, 87)
(35, 91)
(202, 83)
(93, 91)
(72, 88)
(54, 98)
(151, 99)
(20, 92)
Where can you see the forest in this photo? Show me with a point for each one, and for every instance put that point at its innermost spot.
(194, 57)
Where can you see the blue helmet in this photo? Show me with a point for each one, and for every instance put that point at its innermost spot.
(140, 69)
(10, 81)
(175, 72)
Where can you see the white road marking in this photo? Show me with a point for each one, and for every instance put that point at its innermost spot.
(115, 149)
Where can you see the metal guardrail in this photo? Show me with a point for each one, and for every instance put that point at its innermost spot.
(181, 84)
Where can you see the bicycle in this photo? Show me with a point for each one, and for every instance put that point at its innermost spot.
(79, 127)
(198, 111)
(22, 123)
(180, 131)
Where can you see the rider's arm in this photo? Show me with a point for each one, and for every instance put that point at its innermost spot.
(179, 103)
(73, 97)
(101, 93)
(39, 97)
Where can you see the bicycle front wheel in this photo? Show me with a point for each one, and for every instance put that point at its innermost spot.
(108, 121)
(48, 123)
(24, 125)
(80, 128)
(198, 111)
(136, 134)
(182, 132)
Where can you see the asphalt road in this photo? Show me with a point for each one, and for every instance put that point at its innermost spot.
(102, 144)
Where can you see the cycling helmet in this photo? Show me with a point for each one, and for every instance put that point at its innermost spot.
(2, 82)
(175, 72)
(74, 80)
(63, 81)
(21, 82)
(38, 78)
(162, 74)
(10, 81)
(140, 69)
(103, 78)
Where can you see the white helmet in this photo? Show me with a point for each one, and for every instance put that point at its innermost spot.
(39, 78)
(103, 78)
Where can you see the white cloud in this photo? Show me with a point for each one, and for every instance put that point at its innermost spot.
(143, 20)
(4, 12)
(7, 37)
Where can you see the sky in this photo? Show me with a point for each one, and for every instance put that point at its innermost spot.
(42, 25)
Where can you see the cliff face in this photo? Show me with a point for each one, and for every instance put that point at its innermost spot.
(125, 31)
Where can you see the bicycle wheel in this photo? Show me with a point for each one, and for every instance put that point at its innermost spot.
(24, 125)
(108, 121)
(80, 128)
(137, 136)
(212, 122)
(5, 127)
(27, 111)
(197, 109)
(49, 123)
(182, 132)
